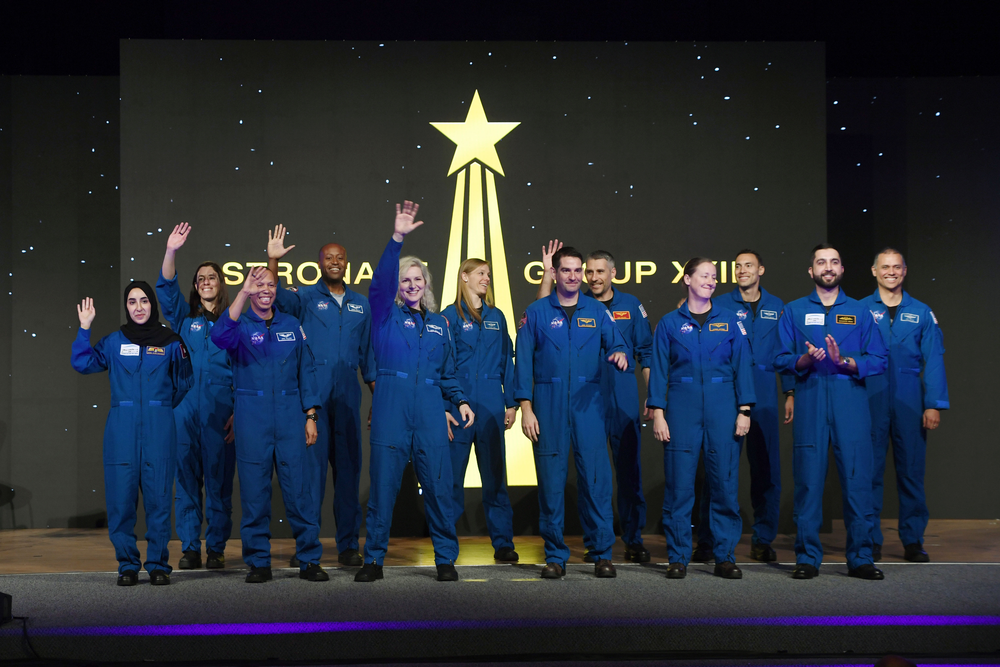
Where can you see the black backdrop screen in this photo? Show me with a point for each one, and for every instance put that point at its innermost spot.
(654, 152)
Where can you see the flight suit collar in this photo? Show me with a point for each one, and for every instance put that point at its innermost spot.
(907, 299)
(841, 298)
(712, 314)
(614, 298)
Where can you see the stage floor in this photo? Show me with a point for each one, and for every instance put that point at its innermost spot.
(74, 550)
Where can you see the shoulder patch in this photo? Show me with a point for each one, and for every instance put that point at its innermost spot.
(184, 351)
(285, 336)
(622, 314)
(158, 351)
(355, 308)
(523, 320)
(129, 350)
(768, 314)
(815, 319)
(293, 289)
(719, 326)
(742, 330)
(847, 319)
(492, 326)
(586, 322)
(302, 331)
(933, 316)
(434, 328)
(643, 311)
(912, 318)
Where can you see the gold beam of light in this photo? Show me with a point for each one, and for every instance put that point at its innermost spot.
(453, 261)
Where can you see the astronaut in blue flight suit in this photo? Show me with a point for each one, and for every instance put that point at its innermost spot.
(906, 401)
(832, 345)
(562, 343)
(484, 365)
(622, 419)
(416, 375)
(759, 311)
(701, 390)
(275, 381)
(206, 455)
(150, 373)
(337, 321)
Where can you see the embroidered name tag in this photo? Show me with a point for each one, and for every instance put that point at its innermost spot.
(719, 326)
(912, 318)
(815, 319)
(492, 326)
(433, 328)
(847, 319)
(129, 350)
(768, 314)
(158, 351)
(285, 336)
(622, 314)
(355, 308)
(586, 322)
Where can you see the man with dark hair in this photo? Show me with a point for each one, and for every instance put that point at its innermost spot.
(906, 401)
(831, 344)
(758, 311)
(337, 321)
(562, 344)
(621, 396)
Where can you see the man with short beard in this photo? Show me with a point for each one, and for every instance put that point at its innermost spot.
(337, 321)
(831, 344)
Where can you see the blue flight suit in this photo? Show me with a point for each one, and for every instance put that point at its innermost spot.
(622, 416)
(559, 369)
(897, 401)
(484, 365)
(763, 448)
(275, 380)
(416, 375)
(831, 406)
(699, 376)
(340, 339)
(204, 458)
(140, 440)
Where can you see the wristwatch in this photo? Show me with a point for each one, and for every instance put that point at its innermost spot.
(313, 417)
(745, 412)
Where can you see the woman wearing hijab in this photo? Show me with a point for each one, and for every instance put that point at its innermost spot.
(206, 455)
(416, 375)
(150, 373)
(484, 363)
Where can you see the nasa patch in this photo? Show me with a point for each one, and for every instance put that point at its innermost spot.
(196, 326)
(323, 305)
(742, 314)
(433, 328)
(257, 337)
(556, 323)
(769, 314)
(467, 326)
(355, 308)
(492, 326)
(912, 318)
(409, 323)
(687, 328)
(878, 315)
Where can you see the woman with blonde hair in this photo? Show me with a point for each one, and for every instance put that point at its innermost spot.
(484, 361)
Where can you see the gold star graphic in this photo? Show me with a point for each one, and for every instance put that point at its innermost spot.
(476, 138)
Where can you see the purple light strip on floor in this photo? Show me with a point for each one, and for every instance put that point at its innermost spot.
(220, 629)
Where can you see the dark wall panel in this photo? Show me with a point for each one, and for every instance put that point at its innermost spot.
(8, 492)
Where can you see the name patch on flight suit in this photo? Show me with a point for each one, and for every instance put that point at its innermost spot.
(435, 329)
(718, 326)
(158, 351)
(355, 308)
(847, 319)
(129, 350)
(815, 319)
(912, 318)
(285, 336)
(622, 314)
(586, 322)
(768, 314)
(492, 326)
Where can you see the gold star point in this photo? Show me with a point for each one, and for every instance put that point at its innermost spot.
(476, 138)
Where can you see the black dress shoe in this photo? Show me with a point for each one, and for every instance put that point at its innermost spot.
(128, 578)
(702, 554)
(351, 558)
(605, 569)
(215, 560)
(314, 572)
(866, 571)
(447, 572)
(676, 571)
(876, 552)
(159, 578)
(636, 553)
(294, 562)
(763, 552)
(553, 571)
(805, 571)
(259, 575)
(191, 560)
(589, 558)
(915, 553)
(506, 555)
(728, 570)
(369, 572)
